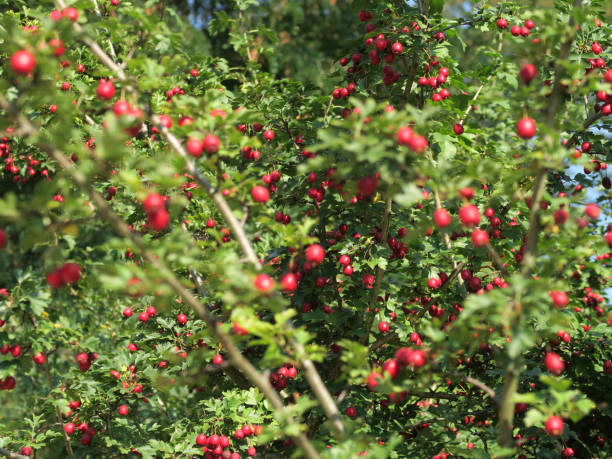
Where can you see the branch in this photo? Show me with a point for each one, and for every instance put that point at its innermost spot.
(379, 272)
(497, 259)
(235, 226)
(245, 365)
(235, 356)
(95, 48)
(11, 455)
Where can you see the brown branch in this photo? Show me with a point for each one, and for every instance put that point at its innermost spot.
(251, 372)
(379, 272)
(497, 259)
(235, 356)
(11, 455)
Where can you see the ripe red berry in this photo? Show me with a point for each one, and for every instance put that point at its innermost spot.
(289, 282)
(441, 218)
(383, 327)
(201, 439)
(211, 144)
(123, 410)
(480, 238)
(195, 147)
(260, 194)
(528, 73)
(69, 428)
(269, 135)
(469, 215)
(560, 299)
(23, 62)
(554, 426)
(70, 273)
(39, 358)
(71, 13)
(404, 134)
(153, 202)
(264, 283)
(502, 24)
(367, 186)
(554, 363)
(351, 412)
(458, 128)
(592, 211)
(217, 359)
(526, 128)
(127, 312)
(315, 254)
(106, 90)
(596, 48)
(181, 319)
(158, 220)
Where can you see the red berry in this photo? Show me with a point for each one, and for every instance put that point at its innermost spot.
(106, 90)
(560, 299)
(315, 254)
(70, 273)
(211, 144)
(526, 128)
(528, 73)
(480, 238)
(554, 426)
(217, 359)
(195, 147)
(554, 363)
(289, 282)
(123, 410)
(260, 194)
(264, 283)
(442, 218)
(23, 62)
(201, 439)
(351, 412)
(69, 428)
(469, 215)
(153, 202)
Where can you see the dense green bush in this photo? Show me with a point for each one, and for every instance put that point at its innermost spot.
(202, 258)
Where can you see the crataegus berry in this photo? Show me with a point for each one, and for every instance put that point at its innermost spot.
(526, 128)
(23, 62)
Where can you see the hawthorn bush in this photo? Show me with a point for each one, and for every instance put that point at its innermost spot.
(204, 259)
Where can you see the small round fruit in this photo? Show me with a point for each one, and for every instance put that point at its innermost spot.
(23, 62)
(217, 359)
(153, 202)
(441, 218)
(315, 254)
(181, 319)
(554, 426)
(264, 283)
(469, 215)
(211, 144)
(106, 90)
(123, 410)
(480, 238)
(554, 363)
(559, 298)
(351, 412)
(289, 282)
(526, 128)
(383, 327)
(260, 194)
(195, 147)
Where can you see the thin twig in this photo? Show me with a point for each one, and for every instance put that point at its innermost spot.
(235, 356)
(11, 455)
